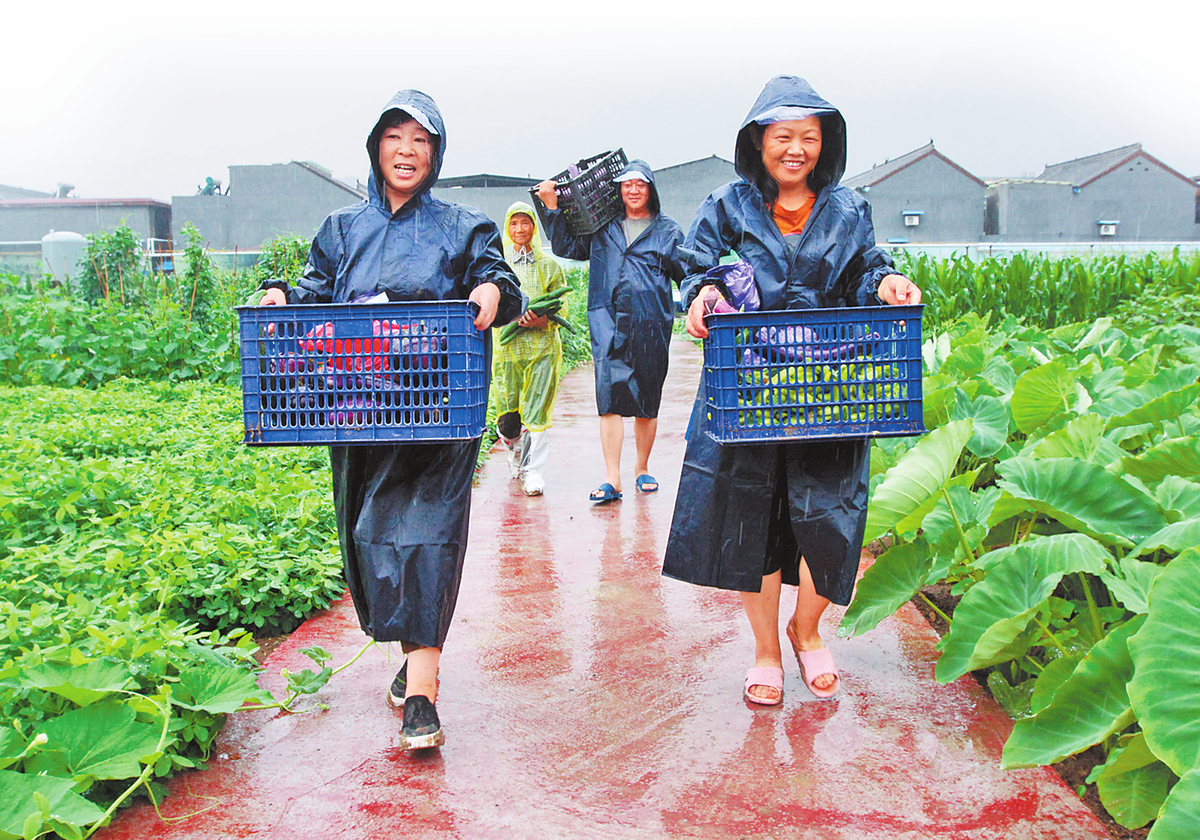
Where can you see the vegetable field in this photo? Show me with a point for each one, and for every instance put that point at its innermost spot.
(144, 548)
(1058, 492)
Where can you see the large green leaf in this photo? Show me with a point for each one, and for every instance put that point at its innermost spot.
(990, 417)
(12, 746)
(1081, 438)
(966, 361)
(218, 689)
(1000, 375)
(1007, 507)
(941, 527)
(1131, 588)
(1166, 656)
(995, 611)
(915, 521)
(81, 684)
(1164, 383)
(17, 802)
(892, 579)
(1180, 456)
(1133, 783)
(1159, 410)
(916, 482)
(1174, 538)
(1181, 812)
(1042, 393)
(1091, 705)
(1084, 497)
(1056, 672)
(1180, 495)
(101, 741)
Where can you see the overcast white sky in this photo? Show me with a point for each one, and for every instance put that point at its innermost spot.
(144, 99)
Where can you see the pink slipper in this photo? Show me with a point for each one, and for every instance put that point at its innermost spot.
(771, 678)
(814, 663)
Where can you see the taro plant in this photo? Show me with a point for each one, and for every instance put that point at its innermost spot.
(1059, 495)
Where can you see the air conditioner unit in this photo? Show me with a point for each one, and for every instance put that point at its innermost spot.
(1108, 228)
(912, 218)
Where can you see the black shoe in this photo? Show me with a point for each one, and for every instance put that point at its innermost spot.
(421, 725)
(395, 696)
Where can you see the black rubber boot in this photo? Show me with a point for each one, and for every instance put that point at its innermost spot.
(422, 728)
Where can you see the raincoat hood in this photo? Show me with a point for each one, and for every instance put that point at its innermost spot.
(421, 107)
(778, 97)
(535, 245)
(644, 172)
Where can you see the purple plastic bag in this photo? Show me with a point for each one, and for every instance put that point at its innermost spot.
(736, 282)
(798, 344)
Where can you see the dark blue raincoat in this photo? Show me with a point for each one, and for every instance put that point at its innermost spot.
(402, 510)
(630, 304)
(745, 508)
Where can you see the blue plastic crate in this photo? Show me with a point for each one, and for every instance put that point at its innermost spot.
(362, 373)
(809, 374)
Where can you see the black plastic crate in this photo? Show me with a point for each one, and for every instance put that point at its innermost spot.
(587, 195)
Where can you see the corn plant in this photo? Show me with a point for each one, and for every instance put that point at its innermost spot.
(1043, 291)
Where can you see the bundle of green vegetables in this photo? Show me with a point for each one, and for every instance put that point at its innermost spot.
(546, 305)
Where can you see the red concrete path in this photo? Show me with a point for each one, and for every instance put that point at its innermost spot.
(585, 696)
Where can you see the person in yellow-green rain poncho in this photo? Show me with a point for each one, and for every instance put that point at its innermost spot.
(525, 370)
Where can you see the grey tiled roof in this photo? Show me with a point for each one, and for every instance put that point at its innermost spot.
(1086, 169)
(889, 168)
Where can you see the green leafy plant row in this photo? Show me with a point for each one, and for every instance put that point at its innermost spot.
(1058, 492)
(143, 545)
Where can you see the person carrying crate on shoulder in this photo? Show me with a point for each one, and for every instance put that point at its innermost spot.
(402, 509)
(529, 356)
(634, 259)
(749, 517)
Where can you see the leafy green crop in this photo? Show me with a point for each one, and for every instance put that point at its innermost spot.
(141, 543)
(1059, 494)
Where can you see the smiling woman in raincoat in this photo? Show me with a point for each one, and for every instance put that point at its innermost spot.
(527, 367)
(402, 510)
(633, 261)
(753, 516)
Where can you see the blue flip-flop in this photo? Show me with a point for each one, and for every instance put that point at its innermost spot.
(607, 492)
(643, 480)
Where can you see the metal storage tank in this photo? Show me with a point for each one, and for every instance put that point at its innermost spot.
(61, 252)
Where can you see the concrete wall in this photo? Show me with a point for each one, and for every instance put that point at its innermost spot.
(262, 204)
(951, 204)
(1150, 203)
(682, 188)
(493, 201)
(31, 220)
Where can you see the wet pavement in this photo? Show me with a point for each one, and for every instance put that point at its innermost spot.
(583, 695)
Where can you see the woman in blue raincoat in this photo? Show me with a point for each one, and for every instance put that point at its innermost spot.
(633, 261)
(751, 517)
(402, 510)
